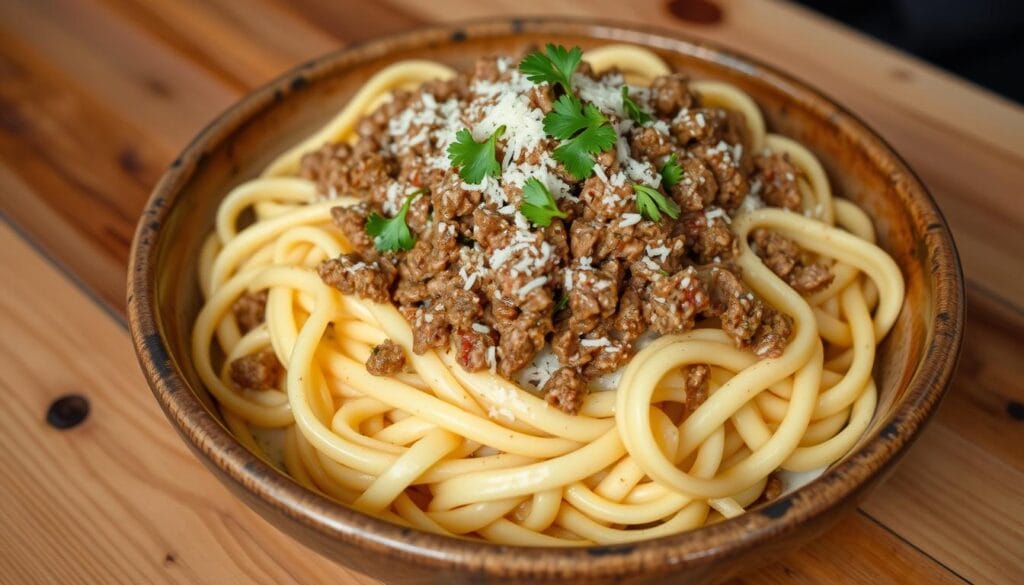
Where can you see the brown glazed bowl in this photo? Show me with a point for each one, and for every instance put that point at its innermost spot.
(913, 368)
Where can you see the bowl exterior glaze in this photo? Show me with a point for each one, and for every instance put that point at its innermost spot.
(913, 368)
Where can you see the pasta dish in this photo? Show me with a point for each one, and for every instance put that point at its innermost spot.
(564, 299)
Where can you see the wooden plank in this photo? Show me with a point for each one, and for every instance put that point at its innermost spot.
(118, 499)
(144, 510)
(857, 551)
(960, 504)
(76, 175)
(246, 44)
(147, 83)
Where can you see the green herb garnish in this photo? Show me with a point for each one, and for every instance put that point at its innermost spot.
(554, 66)
(475, 160)
(538, 204)
(584, 132)
(651, 203)
(562, 303)
(390, 235)
(632, 109)
(671, 172)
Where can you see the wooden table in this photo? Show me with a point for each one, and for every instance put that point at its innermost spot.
(96, 98)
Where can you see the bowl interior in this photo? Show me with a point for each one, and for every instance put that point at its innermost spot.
(240, 143)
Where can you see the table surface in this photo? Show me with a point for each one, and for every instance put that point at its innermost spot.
(97, 97)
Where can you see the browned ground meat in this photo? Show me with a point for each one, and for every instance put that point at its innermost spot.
(386, 359)
(778, 180)
(472, 349)
(257, 371)
(566, 389)
(489, 284)
(328, 166)
(675, 301)
(672, 93)
(350, 274)
(745, 317)
(785, 258)
(708, 239)
(250, 310)
(352, 222)
(697, 188)
(696, 386)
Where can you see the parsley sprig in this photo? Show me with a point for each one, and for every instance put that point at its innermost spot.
(584, 132)
(554, 66)
(651, 203)
(391, 235)
(632, 109)
(475, 160)
(538, 204)
(671, 172)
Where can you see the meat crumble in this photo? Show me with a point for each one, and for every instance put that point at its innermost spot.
(257, 371)
(497, 288)
(386, 359)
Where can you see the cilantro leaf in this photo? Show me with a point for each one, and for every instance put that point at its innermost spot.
(584, 132)
(475, 160)
(632, 109)
(554, 66)
(538, 205)
(671, 172)
(569, 115)
(391, 235)
(651, 203)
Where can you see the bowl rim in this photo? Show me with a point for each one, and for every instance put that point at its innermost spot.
(840, 484)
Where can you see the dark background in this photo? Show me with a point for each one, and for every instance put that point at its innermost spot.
(982, 40)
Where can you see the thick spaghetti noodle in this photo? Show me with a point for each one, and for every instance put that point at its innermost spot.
(443, 449)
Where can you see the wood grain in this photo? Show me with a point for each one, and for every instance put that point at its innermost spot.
(96, 98)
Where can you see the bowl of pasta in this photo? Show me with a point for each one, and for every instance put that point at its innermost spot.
(533, 300)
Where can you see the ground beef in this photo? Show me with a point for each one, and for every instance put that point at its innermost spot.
(484, 281)
(250, 310)
(708, 239)
(351, 221)
(696, 377)
(629, 322)
(650, 144)
(257, 371)
(541, 97)
(745, 317)
(595, 293)
(386, 359)
(521, 339)
(732, 302)
(430, 329)
(698, 187)
(671, 93)
(675, 301)
(328, 167)
(473, 349)
(450, 200)
(778, 180)
(772, 335)
(350, 274)
(606, 201)
(733, 185)
(566, 389)
(785, 258)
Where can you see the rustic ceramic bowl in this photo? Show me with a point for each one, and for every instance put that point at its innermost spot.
(914, 366)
